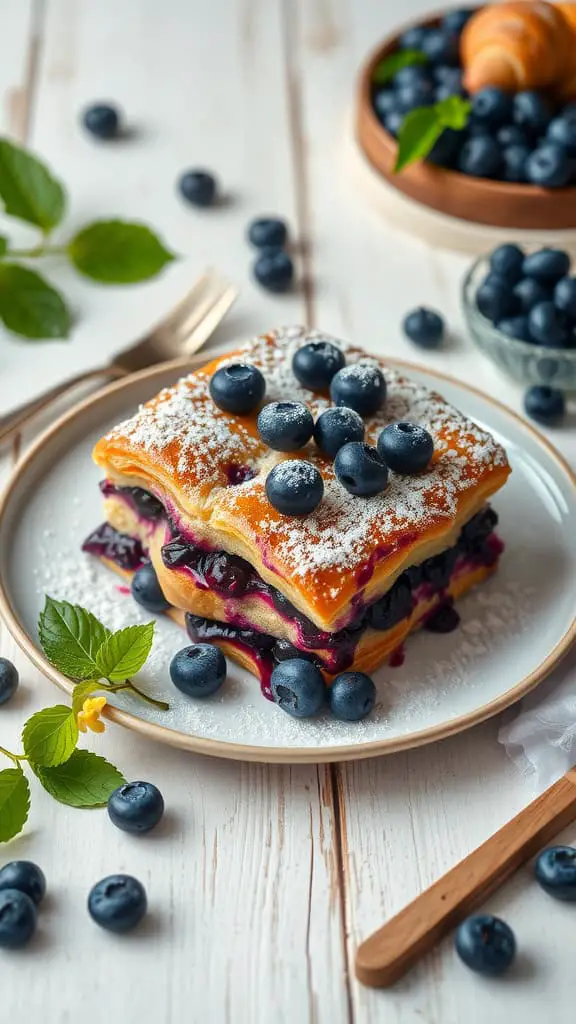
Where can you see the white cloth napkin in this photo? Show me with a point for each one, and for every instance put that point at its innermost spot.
(541, 737)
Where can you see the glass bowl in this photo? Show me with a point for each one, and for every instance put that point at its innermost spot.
(523, 361)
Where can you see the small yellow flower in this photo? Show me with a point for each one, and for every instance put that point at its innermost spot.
(89, 717)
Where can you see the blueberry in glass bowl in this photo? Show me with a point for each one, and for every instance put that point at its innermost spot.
(524, 325)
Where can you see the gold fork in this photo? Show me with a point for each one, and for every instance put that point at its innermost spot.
(181, 333)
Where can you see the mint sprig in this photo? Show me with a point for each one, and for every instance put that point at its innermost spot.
(422, 128)
(99, 661)
(107, 251)
(387, 68)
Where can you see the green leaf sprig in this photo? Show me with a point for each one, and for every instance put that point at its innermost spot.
(388, 67)
(107, 251)
(422, 128)
(100, 661)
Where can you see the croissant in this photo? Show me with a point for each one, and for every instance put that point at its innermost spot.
(567, 87)
(529, 44)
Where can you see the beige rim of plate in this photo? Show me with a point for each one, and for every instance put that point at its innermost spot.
(236, 751)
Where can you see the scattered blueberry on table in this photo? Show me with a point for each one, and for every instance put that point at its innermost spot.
(274, 269)
(360, 387)
(102, 120)
(297, 687)
(198, 187)
(17, 918)
(361, 469)
(146, 590)
(25, 876)
(294, 487)
(555, 871)
(352, 696)
(544, 404)
(285, 426)
(406, 447)
(237, 388)
(424, 327)
(486, 944)
(335, 427)
(135, 807)
(315, 364)
(268, 231)
(198, 670)
(9, 680)
(117, 903)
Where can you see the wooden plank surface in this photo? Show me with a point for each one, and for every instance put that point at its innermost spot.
(262, 881)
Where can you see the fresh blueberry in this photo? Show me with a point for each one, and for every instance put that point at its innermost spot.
(117, 903)
(298, 687)
(393, 607)
(507, 261)
(294, 487)
(485, 944)
(285, 426)
(198, 187)
(413, 74)
(198, 670)
(512, 135)
(543, 404)
(360, 469)
(555, 871)
(454, 21)
(336, 427)
(417, 94)
(495, 300)
(136, 806)
(384, 103)
(406, 447)
(237, 388)
(315, 364)
(24, 876)
(478, 129)
(547, 325)
(562, 130)
(440, 47)
(268, 231)
(532, 111)
(444, 74)
(274, 270)
(146, 589)
(393, 122)
(9, 680)
(515, 327)
(413, 38)
(528, 292)
(492, 106)
(445, 91)
(480, 157)
(446, 149)
(17, 918)
(424, 327)
(565, 296)
(361, 387)
(547, 265)
(351, 696)
(549, 166)
(515, 162)
(101, 120)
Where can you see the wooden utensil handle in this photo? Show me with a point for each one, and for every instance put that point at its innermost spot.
(391, 951)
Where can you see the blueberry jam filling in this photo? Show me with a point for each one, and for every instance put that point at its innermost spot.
(239, 474)
(143, 503)
(106, 542)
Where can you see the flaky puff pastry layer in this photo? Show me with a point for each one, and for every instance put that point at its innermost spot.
(190, 454)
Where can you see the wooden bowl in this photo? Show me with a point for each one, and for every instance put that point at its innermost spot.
(496, 203)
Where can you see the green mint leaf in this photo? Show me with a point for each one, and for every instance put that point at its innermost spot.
(30, 306)
(14, 802)
(125, 652)
(28, 189)
(70, 636)
(85, 780)
(117, 252)
(453, 112)
(420, 129)
(3, 245)
(50, 736)
(387, 68)
(84, 690)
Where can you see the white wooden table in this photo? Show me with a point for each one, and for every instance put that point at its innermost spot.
(262, 880)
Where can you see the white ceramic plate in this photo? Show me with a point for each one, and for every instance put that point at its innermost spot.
(514, 629)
